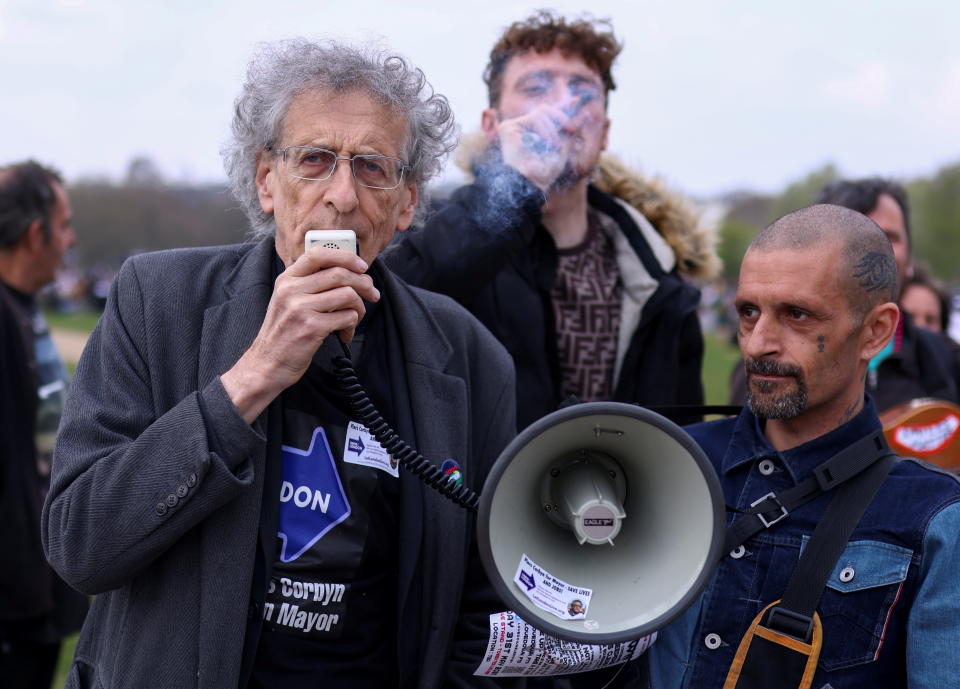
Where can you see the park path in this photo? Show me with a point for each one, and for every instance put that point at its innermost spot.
(69, 343)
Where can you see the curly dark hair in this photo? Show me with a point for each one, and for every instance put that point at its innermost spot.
(592, 40)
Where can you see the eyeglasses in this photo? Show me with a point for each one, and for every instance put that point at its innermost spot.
(373, 171)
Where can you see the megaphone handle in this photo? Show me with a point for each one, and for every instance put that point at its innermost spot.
(412, 460)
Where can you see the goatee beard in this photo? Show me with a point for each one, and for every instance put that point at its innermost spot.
(764, 403)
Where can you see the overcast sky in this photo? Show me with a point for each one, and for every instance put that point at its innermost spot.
(713, 96)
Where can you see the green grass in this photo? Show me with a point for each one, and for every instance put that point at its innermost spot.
(80, 321)
(63, 664)
(719, 358)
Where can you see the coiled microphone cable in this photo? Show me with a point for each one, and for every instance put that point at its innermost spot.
(412, 461)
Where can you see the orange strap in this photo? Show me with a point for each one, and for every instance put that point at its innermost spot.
(811, 650)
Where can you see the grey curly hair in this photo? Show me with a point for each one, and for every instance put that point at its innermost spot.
(279, 71)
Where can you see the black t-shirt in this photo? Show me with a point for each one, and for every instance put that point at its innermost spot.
(329, 619)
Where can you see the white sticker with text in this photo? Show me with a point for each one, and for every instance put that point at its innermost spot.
(551, 594)
(362, 448)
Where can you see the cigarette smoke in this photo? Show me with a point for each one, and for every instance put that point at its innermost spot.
(508, 190)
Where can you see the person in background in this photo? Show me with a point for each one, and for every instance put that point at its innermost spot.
(926, 300)
(916, 363)
(576, 264)
(37, 609)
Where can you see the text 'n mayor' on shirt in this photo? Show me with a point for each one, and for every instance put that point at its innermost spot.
(330, 601)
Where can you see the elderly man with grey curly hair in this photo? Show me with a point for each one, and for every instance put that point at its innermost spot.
(213, 487)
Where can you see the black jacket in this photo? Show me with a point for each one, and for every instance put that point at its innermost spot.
(488, 249)
(924, 366)
(34, 602)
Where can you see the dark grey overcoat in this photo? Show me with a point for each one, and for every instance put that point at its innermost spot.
(144, 514)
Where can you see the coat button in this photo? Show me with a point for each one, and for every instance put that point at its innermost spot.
(712, 641)
(172, 500)
(161, 509)
(847, 574)
(252, 611)
(181, 491)
(738, 552)
(191, 480)
(767, 467)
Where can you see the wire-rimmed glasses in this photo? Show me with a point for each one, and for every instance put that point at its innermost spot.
(370, 170)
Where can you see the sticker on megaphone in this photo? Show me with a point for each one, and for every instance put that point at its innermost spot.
(549, 593)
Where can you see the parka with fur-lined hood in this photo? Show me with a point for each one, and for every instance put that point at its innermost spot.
(487, 248)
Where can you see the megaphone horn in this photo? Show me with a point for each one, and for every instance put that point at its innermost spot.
(601, 523)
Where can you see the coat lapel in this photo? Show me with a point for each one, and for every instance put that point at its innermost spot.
(230, 325)
(438, 403)
(229, 536)
(428, 587)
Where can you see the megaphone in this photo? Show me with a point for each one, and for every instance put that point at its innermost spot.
(600, 523)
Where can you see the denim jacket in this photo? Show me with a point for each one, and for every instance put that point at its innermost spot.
(891, 609)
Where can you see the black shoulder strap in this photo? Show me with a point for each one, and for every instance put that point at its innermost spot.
(835, 471)
(794, 614)
(830, 538)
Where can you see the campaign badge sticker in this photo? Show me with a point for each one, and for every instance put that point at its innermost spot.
(312, 499)
(550, 593)
(362, 448)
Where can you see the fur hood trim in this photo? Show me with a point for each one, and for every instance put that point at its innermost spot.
(673, 216)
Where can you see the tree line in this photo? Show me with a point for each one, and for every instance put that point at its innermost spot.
(144, 213)
(935, 217)
(115, 221)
